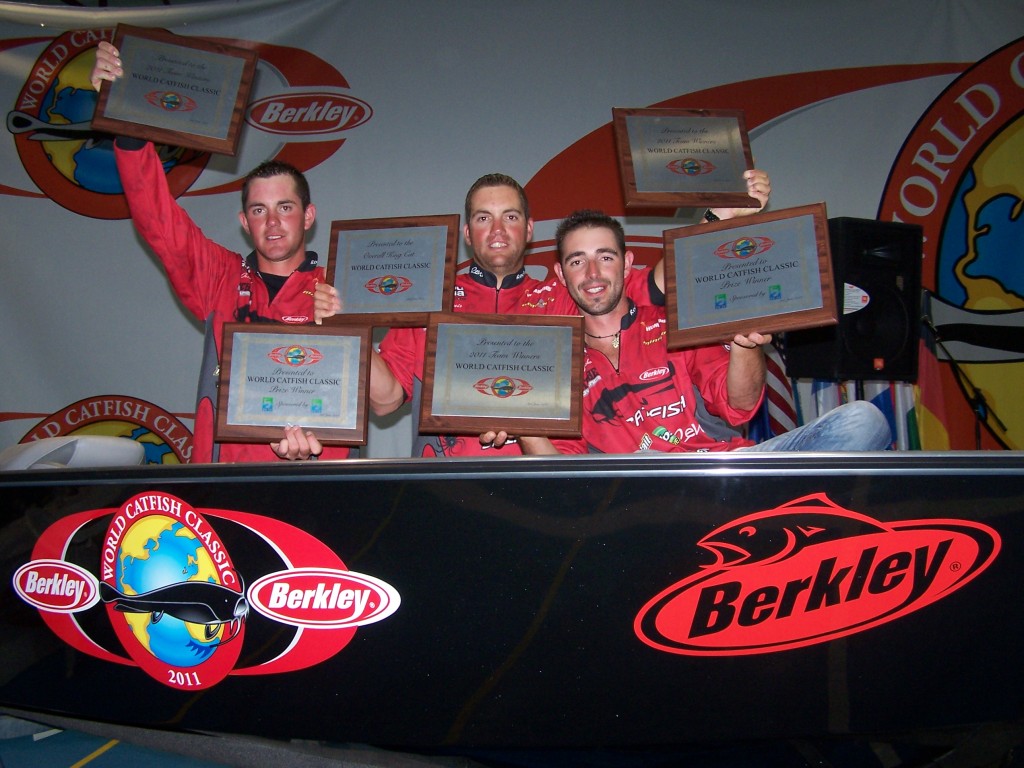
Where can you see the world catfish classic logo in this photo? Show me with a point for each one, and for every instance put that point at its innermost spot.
(808, 572)
(51, 123)
(177, 602)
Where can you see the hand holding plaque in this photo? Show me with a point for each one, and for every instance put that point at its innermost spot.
(177, 90)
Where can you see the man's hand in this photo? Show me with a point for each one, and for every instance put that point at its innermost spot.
(497, 439)
(326, 302)
(107, 66)
(531, 446)
(745, 378)
(751, 340)
(758, 186)
(297, 445)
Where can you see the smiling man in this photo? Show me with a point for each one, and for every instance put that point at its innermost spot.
(275, 283)
(640, 396)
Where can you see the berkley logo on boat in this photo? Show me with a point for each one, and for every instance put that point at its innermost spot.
(809, 572)
(179, 606)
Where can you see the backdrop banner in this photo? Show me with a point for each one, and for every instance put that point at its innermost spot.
(905, 112)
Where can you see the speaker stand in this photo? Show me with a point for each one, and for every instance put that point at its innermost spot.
(975, 397)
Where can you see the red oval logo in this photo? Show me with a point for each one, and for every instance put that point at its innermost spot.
(654, 373)
(56, 586)
(295, 355)
(307, 113)
(323, 598)
(744, 247)
(808, 572)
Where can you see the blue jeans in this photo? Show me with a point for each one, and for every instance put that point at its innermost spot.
(855, 426)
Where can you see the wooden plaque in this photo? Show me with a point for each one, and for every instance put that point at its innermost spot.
(521, 374)
(177, 90)
(683, 157)
(393, 272)
(769, 272)
(313, 376)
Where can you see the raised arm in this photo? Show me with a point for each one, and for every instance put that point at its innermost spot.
(758, 186)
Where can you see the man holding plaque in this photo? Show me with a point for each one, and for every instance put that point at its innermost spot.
(274, 283)
(639, 396)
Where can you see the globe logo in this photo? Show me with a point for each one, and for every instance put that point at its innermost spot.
(388, 285)
(690, 166)
(744, 247)
(52, 128)
(969, 211)
(502, 386)
(167, 593)
(295, 356)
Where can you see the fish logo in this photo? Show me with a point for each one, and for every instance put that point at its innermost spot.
(169, 101)
(178, 605)
(744, 247)
(503, 386)
(808, 572)
(204, 603)
(388, 285)
(164, 438)
(295, 355)
(691, 166)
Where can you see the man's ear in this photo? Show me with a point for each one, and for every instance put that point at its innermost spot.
(628, 259)
(309, 215)
(558, 272)
(465, 235)
(529, 230)
(244, 221)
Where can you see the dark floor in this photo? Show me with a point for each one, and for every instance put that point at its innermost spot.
(31, 740)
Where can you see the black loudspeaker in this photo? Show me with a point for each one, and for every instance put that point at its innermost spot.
(877, 271)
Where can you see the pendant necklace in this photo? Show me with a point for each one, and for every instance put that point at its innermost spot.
(615, 340)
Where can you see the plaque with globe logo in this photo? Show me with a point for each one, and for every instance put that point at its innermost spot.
(683, 157)
(769, 272)
(393, 271)
(272, 376)
(521, 374)
(177, 90)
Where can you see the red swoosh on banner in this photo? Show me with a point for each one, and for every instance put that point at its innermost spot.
(586, 174)
(300, 69)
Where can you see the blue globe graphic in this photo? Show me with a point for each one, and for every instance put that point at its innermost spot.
(1003, 234)
(84, 158)
(503, 387)
(148, 562)
(744, 247)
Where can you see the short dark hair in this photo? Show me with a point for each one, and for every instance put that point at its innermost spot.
(269, 168)
(589, 218)
(497, 180)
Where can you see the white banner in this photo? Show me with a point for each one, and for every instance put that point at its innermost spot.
(394, 109)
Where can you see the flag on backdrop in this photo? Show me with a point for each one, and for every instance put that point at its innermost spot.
(881, 395)
(777, 413)
(929, 401)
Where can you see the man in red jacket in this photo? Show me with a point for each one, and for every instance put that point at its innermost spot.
(273, 284)
(640, 396)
